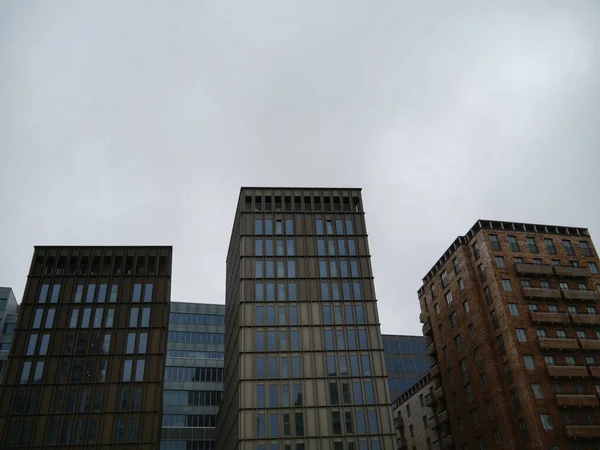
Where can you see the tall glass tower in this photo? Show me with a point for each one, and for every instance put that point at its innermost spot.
(304, 364)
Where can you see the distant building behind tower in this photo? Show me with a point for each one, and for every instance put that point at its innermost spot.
(405, 360)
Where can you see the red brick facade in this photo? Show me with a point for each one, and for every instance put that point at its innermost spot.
(540, 309)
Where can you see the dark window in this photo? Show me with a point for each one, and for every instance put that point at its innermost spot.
(568, 247)
(550, 246)
(494, 241)
(514, 244)
(532, 245)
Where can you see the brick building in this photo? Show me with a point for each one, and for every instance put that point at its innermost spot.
(510, 315)
(421, 418)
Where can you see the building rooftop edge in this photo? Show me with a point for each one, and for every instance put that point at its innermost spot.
(335, 188)
(103, 246)
(501, 225)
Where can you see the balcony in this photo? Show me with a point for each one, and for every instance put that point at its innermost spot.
(569, 271)
(434, 371)
(541, 293)
(448, 442)
(430, 350)
(546, 317)
(568, 371)
(574, 294)
(583, 431)
(443, 416)
(594, 371)
(534, 269)
(585, 319)
(439, 393)
(558, 344)
(590, 344)
(427, 329)
(577, 401)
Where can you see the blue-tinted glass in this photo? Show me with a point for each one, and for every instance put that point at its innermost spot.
(91, 290)
(339, 226)
(329, 226)
(351, 247)
(268, 226)
(260, 341)
(354, 370)
(363, 445)
(285, 395)
(349, 311)
(341, 342)
(366, 365)
(258, 247)
(415, 346)
(279, 250)
(328, 339)
(284, 367)
(260, 367)
(337, 315)
(351, 339)
(296, 366)
(323, 268)
(289, 227)
(44, 293)
(278, 227)
(260, 292)
(360, 315)
(295, 341)
(326, 315)
(274, 426)
(373, 424)
(271, 341)
(273, 388)
(282, 315)
(331, 369)
(290, 247)
(55, 293)
(325, 291)
(357, 293)
(272, 367)
(293, 315)
(356, 388)
(87, 315)
(137, 293)
(280, 269)
(331, 247)
(260, 315)
(270, 292)
(354, 268)
(404, 346)
(291, 267)
(335, 291)
(376, 444)
(342, 247)
(257, 226)
(362, 339)
(292, 292)
(321, 247)
(361, 425)
(333, 269)
(319, 227)
(343, 365)
(344, 269)
(269, 247)
(346, 291)
(281, 292)
(270, 268)
(259, 269)
(349, 227)
(369, 393)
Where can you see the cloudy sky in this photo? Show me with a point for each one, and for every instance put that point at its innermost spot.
(136, 122)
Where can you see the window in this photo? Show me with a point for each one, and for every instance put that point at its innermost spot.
(593, 267)
(581, 334)
(476, 250)
(497, 439)
(538, 393)
(494, 241)
(466, 306)
(501, 344)
(449, 298)
(513, 308)
(553, 308)
(506, 284)
(453, 319)
(481, 272)
(537, 261)
(590, 360)
(521, 334)
(587, 251)
(487, 295)
(568, 247)
(483, 380)
(546, 422)
(591, 310)
(494, 319)
(436, 307)
(456, 265)
(532, 307)
(545, 284)
(525, 283)
(461, 284)
(561, 334)
(540, 332)
(444, 278)
(507, 371)
(464, 366)
(532, 245)
(529, 362)
(550, 246)
(550, 361)
(500, 262)
(514, 245)
(458, 341)
(515, 400)
(477, 354)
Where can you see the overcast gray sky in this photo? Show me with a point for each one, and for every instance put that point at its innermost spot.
(136, 122)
